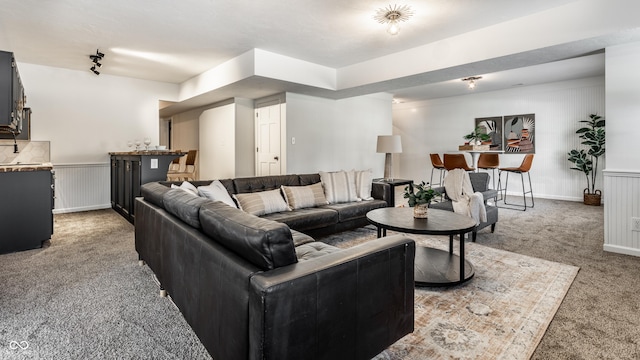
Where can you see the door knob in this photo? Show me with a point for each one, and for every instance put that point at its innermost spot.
(276, 158)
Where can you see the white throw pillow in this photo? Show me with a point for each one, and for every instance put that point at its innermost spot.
(363, 183)
(262, 203)
(216, 192)
(339, 186)
(186, 186)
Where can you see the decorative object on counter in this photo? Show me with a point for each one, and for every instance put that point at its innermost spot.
(419, 200)
(388, 144)
(593, 136)
(476, 137)
(95, 59)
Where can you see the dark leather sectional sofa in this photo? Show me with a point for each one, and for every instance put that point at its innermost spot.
(259, 288)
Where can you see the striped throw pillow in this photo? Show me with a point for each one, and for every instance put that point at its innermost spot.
(300, 197)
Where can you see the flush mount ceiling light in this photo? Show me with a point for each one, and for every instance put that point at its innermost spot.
(472, 81)
(96, 61)
(392, 16)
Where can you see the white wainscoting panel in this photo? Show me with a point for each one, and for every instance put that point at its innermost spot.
(82, 187)
(623, 203)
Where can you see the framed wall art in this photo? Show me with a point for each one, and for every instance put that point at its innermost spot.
(519, 133)
(493, 127)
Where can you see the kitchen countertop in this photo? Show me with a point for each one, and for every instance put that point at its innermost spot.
(150, 152)
(25, 167)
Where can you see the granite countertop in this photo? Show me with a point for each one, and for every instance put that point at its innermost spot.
(25, 167)
(150, 152)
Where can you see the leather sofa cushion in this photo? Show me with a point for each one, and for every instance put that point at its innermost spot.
(313, 250)
(264, 183)
(305, 219)
(266, 244)
(353, 210)
(185, 205)
(153, 192)
(300, 238)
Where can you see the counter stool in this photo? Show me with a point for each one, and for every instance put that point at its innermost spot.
(437, 164)
(489, 161)
(456, 161)
(522, 169)
(189, 172)
(174, 167)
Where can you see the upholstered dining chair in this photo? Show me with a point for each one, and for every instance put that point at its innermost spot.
(189, 172)
(489, 161)
(437, 164)
(522, 169)
(456, 161)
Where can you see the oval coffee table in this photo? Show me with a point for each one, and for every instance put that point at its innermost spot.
(433, 267)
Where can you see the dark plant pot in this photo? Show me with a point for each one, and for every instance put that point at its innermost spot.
(592, 199)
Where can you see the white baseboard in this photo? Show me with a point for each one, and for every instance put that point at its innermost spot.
(82, 208)
(621, 250)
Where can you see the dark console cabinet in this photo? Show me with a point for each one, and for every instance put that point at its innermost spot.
(12, 99)
(26, 205)
(129, 170)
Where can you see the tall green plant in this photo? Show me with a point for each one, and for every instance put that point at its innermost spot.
(586, 161)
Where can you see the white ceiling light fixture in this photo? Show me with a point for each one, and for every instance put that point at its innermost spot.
(472, 81)
(392, 16)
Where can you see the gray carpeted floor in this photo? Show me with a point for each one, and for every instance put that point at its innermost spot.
(77, 298)
(600, 316)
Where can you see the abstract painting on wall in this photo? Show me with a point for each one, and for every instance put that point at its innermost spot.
(519, 133)
(493, 127)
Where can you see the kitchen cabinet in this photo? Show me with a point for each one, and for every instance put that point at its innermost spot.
(26, 204)
(12, 99)
(129, 170)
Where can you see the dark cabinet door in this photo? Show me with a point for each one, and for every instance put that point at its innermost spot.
(129, 172)
(26, 218)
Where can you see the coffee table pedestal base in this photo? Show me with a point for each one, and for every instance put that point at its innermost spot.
(434, 267)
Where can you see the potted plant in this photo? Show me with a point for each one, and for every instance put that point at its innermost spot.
(593, 136)
(476, 137)
(420, 198)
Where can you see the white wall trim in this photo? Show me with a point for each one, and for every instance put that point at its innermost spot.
(621, 250)
(621, 173)
(81, 208)
(82, 187)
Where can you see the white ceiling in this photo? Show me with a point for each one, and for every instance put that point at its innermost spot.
(173, 41)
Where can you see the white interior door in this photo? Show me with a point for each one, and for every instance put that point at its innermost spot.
(268, 159)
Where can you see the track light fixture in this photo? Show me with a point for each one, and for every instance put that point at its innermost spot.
(96, 61)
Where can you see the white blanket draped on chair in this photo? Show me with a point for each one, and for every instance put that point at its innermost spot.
(458, 187)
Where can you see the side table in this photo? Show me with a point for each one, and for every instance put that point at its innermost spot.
(394, 183)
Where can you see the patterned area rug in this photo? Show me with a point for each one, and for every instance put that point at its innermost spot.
(502, 313)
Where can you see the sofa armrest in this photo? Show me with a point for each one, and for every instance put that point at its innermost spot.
(353, 303)
(382, 191)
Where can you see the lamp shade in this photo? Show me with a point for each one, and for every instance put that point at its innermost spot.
(389, 144)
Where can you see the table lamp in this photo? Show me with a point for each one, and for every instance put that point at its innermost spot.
(388, 144)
